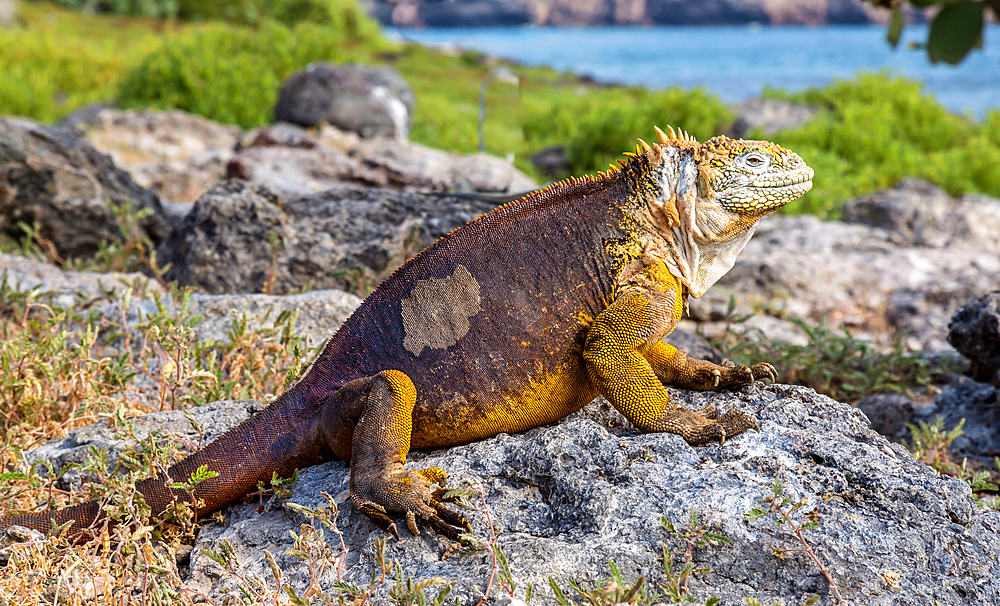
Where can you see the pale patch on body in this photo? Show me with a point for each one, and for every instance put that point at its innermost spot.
(437, 313)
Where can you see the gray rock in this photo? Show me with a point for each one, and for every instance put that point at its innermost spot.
(320, 313)
(974, 331)
(414, 166)
(977, 403)
(918, 213)
(370, 101)
(566, 498)
(67, 287)
(299, 170)
(176, 154)
(8, 11)
(242, 238)
(768, 115)
(902, 280)
(52, 179)
(291, 161)
(888, 413)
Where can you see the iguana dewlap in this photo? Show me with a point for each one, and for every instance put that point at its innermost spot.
(518, 319)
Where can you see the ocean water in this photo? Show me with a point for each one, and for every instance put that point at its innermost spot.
(737, 62)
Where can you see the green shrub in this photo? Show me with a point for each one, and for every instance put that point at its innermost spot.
(47, 74)
(163, 9)
(874, 130)
(233, 74)
(598, 126)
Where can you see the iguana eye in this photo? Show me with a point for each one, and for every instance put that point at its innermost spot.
(755, 160)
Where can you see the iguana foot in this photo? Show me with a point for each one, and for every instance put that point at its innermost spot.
(739, 374)
(379, 482)
(696, 428)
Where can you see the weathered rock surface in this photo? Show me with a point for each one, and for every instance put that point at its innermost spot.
(769, 115)
(243, 238)
(567, 497)
(291, 161)
(974, 331)
(977, 403)
(25, 275)
(52, 179)
(493, 13)
(176, 154)
(370, 101)
(903, 276)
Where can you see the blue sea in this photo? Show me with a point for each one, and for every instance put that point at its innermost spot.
(738, 62)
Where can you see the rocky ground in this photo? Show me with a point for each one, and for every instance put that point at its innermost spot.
(324, 211)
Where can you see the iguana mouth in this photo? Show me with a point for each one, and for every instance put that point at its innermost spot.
(792, 179)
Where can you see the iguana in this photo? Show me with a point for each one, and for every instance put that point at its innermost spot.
(517, 319)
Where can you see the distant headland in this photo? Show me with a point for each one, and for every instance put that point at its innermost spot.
(501, 13)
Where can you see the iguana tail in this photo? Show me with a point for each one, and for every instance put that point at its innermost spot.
(278, 440)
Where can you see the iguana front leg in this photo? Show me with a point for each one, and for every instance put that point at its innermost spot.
(617, 357)
(379, 482)
(672, 366)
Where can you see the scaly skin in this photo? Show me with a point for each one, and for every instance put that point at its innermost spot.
(518, 319)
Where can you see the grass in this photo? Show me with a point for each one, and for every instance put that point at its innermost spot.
(870, 131)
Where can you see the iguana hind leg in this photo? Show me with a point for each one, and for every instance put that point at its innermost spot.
(618, 362)
(379, 482)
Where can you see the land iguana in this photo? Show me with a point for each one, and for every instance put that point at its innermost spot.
(515, 320)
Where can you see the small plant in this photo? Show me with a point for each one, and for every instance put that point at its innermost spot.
(836, 364)
(786, 510)
(930, 444)
(613, 590)
(695, 535)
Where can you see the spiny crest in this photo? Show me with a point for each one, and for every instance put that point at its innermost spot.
(678, 137)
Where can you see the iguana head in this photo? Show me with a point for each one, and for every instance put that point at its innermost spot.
(711, 196)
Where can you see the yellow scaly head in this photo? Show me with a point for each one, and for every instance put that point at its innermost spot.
(751, 178)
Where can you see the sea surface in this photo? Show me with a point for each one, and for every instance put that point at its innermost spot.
(737, 62)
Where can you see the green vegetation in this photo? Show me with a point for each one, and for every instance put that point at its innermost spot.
(870, 131)
(837, 364)
(233, 74)
(874, 130)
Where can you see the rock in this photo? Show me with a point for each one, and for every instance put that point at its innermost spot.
(67, 287)
(977, 403)
(370, 101)
(176, 154)
(917, 213)
(8, 12)
(567, 497)
(298, 170)
(320, 313)
(243, 238)
(552, 161)
(291, 161)
(974, 331)
(888, 413)
(414, 166)
(768, 115)
(52, 179)
(902, 280)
